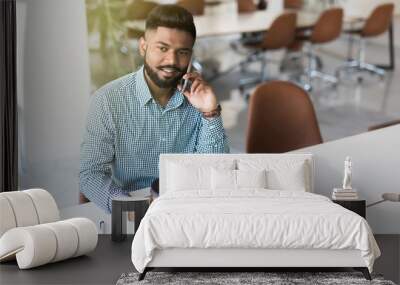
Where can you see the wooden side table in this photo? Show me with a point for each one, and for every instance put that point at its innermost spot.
(357, 206)
(119, 216)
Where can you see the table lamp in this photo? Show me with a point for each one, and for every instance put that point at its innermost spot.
(394, 197)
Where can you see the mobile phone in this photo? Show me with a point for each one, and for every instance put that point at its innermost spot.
(186, 82)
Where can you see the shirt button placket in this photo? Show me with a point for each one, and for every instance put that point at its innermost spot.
(163, 133)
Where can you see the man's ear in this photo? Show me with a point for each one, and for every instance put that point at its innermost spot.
(142, 46)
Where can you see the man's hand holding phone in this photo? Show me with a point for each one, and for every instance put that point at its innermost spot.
(200, 93)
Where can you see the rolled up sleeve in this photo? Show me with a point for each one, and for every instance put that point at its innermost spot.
(212, 137)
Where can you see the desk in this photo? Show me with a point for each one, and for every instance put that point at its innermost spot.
(219, 25)
(215, 25)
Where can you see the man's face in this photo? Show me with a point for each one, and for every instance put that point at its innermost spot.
(166, 55)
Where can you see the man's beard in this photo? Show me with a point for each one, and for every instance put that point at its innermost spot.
(163, 83)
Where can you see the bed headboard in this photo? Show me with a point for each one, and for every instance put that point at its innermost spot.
(214, 158)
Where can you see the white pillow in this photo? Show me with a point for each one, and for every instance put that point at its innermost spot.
(223, 179)
(226, 179)
(282, 174)
(186, 175)
(251, 178)
(293, 179)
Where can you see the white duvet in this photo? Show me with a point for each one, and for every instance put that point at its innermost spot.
(250, 218)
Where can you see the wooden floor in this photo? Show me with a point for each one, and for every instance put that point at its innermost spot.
(389, 262)
(106, 264)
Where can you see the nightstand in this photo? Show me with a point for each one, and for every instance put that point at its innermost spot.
(120, 206)
(357, 206)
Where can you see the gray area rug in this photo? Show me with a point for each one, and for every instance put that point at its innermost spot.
(243, 278)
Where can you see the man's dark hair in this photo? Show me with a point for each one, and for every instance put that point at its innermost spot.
(171, 16)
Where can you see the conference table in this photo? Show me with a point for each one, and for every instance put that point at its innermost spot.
(211, 25)
(224, 22)
(258, 21)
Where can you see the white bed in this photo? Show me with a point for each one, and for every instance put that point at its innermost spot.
(198, 223)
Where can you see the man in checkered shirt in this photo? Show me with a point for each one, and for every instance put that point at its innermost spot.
(133, 119)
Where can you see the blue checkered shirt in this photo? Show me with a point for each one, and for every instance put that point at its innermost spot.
(127, 130)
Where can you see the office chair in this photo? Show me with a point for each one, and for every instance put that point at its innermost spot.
(293, 4)
(279, 36)
(281, 119)
(137, 10)
(246, 6)
(376, 24)
(195, 7)
(327, 29)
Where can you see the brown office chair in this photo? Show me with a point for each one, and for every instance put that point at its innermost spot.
(246, 6)
(293, 4)
(195, 7)
(376, 24)
(327, 29)
(279, 36)
(137, 10)
(281, 119)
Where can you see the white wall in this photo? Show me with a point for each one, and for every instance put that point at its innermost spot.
(376, 170)
(53, 92)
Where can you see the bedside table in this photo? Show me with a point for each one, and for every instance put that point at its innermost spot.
(357, 206)
(118, 214)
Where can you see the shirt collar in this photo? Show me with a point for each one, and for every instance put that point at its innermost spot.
(142, 89)
(144, 95)
(176, 100)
